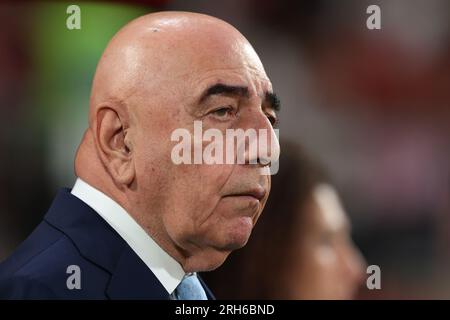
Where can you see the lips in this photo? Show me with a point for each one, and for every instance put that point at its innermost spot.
(257, 193)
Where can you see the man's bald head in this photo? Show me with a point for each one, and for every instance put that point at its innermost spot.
(155, 77)
(158, 48)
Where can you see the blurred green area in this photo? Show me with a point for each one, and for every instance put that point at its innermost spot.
(64, 61)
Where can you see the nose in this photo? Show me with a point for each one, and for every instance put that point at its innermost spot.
(262, 148)
(355, 265)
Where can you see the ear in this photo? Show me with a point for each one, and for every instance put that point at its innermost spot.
(114, 144)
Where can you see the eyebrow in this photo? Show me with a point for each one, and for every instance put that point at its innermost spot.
(241, 91)
(224, 89)
(273, 100)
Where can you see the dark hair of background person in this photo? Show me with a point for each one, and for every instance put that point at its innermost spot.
(259, 267)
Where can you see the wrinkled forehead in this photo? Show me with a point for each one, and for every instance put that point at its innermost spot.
(198, 56)
(230, 63)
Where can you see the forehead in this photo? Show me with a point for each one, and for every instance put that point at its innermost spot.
(181, 65)
(230, 60)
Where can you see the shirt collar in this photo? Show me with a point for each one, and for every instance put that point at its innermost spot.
(168, 271)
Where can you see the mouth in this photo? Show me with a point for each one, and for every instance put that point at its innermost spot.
(255, 193)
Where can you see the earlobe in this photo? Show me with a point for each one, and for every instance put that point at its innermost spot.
(114, 145)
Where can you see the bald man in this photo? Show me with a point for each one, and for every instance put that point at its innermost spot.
(137, 224)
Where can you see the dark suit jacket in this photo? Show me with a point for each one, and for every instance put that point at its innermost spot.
(72, 233)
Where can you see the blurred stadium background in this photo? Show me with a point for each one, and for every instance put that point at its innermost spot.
(372, 105)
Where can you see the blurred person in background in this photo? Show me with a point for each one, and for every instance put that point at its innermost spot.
(302, 247)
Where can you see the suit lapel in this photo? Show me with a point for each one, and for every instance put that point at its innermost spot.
(133, 280)
(101, 245)
(209, 294)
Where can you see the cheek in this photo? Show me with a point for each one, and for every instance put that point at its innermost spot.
(229, 225)
(202, 183)
(322, 273)
(323, 259)
(152, 162)
(194, 192)
(326, 257)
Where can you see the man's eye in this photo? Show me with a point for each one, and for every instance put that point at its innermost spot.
(223, 112)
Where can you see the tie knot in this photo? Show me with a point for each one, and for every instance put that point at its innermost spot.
(190, 288)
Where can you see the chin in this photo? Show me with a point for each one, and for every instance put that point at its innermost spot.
(208, 260)
(239, 233)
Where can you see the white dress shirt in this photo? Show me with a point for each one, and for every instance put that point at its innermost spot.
(168, 271)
